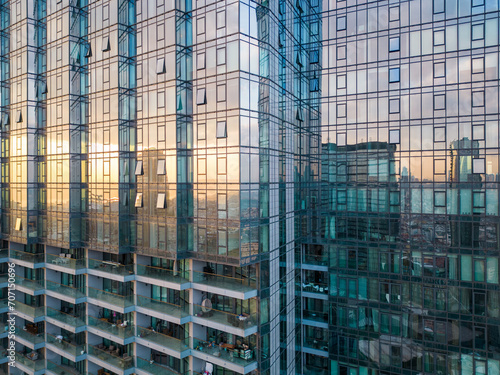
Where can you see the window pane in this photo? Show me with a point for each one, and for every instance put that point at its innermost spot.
(394, 75)
(394, 44)
(221, 129)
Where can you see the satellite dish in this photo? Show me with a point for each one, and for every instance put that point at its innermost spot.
(206, 305)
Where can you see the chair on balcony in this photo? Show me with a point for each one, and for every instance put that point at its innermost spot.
(63, 260)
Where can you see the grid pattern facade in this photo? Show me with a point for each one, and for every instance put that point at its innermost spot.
(410, 219)
(155, 183)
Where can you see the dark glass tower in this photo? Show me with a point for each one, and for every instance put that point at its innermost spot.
(410, 220)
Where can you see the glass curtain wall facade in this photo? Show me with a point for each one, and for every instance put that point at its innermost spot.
(156, 169)
(272, 187)
(410, 221)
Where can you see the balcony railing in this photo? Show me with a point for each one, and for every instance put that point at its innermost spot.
(161, 274)
(124, 362)
(160, 306)
(74, 264)
(39, 364)
(36, 339)
(111, 267)
(29, 284)
(119, 330)
(313, 287)
(317, 344)
(241, 357)
(27, 257)
(115, 299)
(154, 368)
(225, 282)
(242, 321)
(161, 339)
(65, 318)
(316, 259)
(64, 289)
(4, 277)
(69, 347)
(318, 316)
(31, 311)
(61, 370)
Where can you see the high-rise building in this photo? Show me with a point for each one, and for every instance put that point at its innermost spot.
(410, 220)
(239, 187)
(155, 182)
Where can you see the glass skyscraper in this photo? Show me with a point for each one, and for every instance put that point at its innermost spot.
(409, 220)
(239, 187)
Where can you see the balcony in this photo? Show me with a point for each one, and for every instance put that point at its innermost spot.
(4, 253)
(33, 365)
(176, 347)
(119, 330)
(241, 325)
(244, 288)
(164, 308)
(172, 279)
(29, 337)
(68, 263)
(61, 369)
(107, 269)
(316, 316)
(111, 298)
(154, 368)
(67, 319)
(66, 346)
(27, 257)
(30, 311)
(321, 259)
(29, 286)
(241, 360)
(124, 362)
(320, 290)
(64, 291)
(316, 344)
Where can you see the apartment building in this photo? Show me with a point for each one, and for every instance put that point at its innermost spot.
(155, 183)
